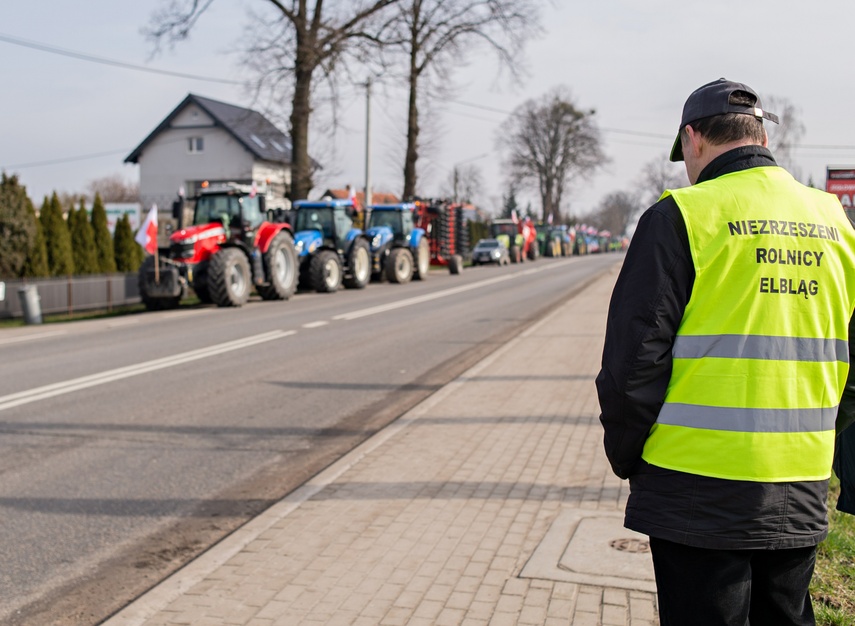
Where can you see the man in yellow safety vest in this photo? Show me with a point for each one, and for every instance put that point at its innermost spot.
(726, 356)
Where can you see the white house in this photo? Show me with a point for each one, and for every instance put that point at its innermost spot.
(206, 140)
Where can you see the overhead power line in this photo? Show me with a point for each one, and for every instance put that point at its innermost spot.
(81, 157)
(94, 59)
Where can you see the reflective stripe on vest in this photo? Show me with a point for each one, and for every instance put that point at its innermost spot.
(761, 355)
(761, 347)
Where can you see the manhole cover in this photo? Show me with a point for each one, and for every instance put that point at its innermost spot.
(626, 544)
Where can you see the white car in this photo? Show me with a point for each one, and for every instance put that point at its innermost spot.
(490, 251)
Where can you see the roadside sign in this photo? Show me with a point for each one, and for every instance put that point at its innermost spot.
(115, 210)
(841, 182)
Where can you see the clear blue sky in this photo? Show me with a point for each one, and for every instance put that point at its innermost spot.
(634, 62)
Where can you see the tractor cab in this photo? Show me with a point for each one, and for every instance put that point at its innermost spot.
(397, 218)
(333, 219)
(239, 211)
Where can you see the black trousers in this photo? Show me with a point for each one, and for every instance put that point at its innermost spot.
(700, 587)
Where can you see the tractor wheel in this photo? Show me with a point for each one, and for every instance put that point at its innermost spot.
(280, 269)
(325, 271)
(455, 264)
(422, 260)
(532, 253)
(399, 266)
(200, 283)
(151, 303)
(514, 253)
(229, 277)
(358, 265)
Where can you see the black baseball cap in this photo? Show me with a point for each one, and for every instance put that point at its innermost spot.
(714, 99)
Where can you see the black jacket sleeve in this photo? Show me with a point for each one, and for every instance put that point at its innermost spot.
(844, 452)
(646, 308)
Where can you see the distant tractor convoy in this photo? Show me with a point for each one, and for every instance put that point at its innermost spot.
(236, 244)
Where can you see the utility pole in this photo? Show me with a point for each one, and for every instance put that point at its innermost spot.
(368, 143)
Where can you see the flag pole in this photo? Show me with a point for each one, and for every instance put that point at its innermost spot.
(156, 265)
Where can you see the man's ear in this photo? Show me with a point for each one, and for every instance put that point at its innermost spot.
(765, 139)
(693, 142)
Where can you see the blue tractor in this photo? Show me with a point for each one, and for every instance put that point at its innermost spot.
(399, 250)
(330, 250)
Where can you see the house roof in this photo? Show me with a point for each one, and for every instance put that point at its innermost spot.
(376, 197)
(250, 128)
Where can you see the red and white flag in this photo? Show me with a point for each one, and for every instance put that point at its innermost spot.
(147, 234)
(514, 217)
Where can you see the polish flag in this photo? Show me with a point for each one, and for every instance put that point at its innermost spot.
(514, 217)
(147, 234)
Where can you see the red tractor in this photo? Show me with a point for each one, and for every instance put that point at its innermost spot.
(230, 247)
(444, 223)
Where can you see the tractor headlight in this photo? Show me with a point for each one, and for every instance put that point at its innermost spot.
(299, 247)
(378, 239)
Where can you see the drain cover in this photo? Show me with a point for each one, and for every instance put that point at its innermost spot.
(630, 544)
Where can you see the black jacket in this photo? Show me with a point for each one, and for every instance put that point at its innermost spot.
(844, 453)
(647, 305)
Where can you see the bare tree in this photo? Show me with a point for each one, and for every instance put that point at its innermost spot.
(657, 176)
(464, 183)
(305, 38)
(551, 143)
(435, 36)
(783, 137)
(114, 188)
(616, 212)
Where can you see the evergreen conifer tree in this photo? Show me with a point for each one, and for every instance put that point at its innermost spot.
(82, 241)
(509, 202)
(17, 230)
(103, 240)
(127, 257)
(57, 238)
(37, 260)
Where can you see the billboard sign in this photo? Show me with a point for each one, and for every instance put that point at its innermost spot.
(841, 182)
(115, 211)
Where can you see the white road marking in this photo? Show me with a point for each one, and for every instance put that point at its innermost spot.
(440, 294)
(76, 384)
(31, 337)
(317, 324)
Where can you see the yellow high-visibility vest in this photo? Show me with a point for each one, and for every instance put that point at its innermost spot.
(761, 356)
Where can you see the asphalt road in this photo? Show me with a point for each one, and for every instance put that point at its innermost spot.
(129, 445)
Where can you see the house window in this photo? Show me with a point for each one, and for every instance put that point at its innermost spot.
(195, 144)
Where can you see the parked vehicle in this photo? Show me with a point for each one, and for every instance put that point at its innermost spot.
(230, 247)
(399, 250)
(330, 250)
(490, 251)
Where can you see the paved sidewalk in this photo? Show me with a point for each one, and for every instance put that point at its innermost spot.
(489, 503)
